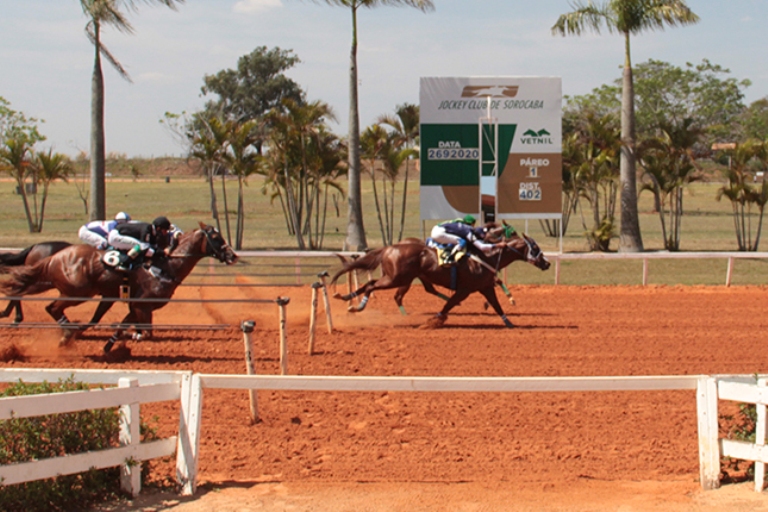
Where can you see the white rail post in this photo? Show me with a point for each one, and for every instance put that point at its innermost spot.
(326, 303)
(282, 302)
(130, 471)
(729, 272)
(313, 317)
(645, 271)
(247, 327)
(557, 269)
(760, 431)
(709, 448)
(189, 433)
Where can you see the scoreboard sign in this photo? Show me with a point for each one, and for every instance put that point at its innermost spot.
(491, 140)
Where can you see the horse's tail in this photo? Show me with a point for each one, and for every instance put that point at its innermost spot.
(24, 278)
(370, 261)
(15, 259)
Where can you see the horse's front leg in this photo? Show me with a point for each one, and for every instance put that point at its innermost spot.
(101, 310)
(490, 295)
(399, 294)
(119, 332)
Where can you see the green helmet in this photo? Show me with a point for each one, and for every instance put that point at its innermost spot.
(468, 219)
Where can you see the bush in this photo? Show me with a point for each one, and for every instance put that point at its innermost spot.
(54, 435)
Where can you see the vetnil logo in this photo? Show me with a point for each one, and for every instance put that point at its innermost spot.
(536, 137)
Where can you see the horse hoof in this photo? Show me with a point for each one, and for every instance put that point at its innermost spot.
(434, 323)
(337, 295)
(108, 346)
(65, 341)
(352, 309)
(137, 336)
(509, 324)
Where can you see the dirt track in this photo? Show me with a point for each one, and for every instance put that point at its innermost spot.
(538, 445)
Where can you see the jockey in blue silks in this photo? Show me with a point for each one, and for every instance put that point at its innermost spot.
(458, 233)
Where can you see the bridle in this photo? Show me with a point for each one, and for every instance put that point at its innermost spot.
(218, 252)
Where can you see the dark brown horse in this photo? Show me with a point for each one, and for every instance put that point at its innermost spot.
(412, 259)
(28, 256)
(78, 271)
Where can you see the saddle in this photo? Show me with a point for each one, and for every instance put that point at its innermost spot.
(120, 261)
(448, 255)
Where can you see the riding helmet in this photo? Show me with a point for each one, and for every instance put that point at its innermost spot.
(468, 219)
(122, 217)
(162, 223)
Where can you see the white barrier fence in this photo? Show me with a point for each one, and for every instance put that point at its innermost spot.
(555, 257)
(188, 388)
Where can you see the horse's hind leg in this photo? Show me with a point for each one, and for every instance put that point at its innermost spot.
(399, 294)
(56, 310)
(13, 305)
(130, 317)
(101, 310)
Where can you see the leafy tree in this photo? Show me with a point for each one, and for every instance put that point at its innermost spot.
(242, 159)
(373, 142)
(101, 13)
(15, 125)
(355, 228)
(48, 167)
(743, 193)
(669, 165)
(754, 120)
(405, 126)
(257, 86)
(626, 17)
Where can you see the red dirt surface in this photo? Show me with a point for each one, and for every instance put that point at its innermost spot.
(534, 451)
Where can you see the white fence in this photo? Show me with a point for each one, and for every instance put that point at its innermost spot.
(189, 389)
(555, 257)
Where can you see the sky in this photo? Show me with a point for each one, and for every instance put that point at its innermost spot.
(46, 60)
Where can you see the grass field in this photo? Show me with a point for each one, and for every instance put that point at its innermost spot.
(707, 226)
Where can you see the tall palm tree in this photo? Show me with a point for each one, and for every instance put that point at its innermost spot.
(355, 228)
(102, 13)
(626, 17)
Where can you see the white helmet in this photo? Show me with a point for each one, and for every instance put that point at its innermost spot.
(122, 217)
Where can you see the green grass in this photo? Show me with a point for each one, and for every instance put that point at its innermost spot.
(707, 226)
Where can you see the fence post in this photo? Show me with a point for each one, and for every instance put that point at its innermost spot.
(282, 302)
(729, 271)
(313, 317)
(130, 471)
(247, 327)
(326, 303)
(189, 433)
(645, 271)
(709, 447)
(760, 431)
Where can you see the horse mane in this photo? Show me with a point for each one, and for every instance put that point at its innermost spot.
(370, 261)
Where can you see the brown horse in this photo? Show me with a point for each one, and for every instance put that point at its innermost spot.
(403, 262)
(78, 271)
(28, 256)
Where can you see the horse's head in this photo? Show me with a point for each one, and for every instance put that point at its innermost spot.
(527, 248)
(213, 244)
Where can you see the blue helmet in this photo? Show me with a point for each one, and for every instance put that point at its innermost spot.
(122, 217)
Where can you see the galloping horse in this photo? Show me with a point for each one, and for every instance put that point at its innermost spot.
(78, 271)
(403, 262)
(28, 256)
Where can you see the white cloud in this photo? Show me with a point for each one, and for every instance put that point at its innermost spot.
(251, 6)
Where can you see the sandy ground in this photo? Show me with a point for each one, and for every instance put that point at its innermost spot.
(628, 451)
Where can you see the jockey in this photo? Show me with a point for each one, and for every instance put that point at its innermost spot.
(138, 238)
(458, 232)
(95, 233)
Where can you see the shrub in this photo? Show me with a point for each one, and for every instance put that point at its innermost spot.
(40, 437)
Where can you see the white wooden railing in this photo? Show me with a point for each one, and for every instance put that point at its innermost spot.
(189, 389)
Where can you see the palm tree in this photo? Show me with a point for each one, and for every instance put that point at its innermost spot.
(49, 167)
(626, 17)
(355, 228)
(15, 158)
(406, 128)
(105, 13)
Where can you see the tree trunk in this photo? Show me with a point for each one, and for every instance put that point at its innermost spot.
(629, 236)
(98, 152)
(355, 229)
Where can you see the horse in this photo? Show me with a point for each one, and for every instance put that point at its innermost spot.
(79, 271)
(28, 256)
(403, 262)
